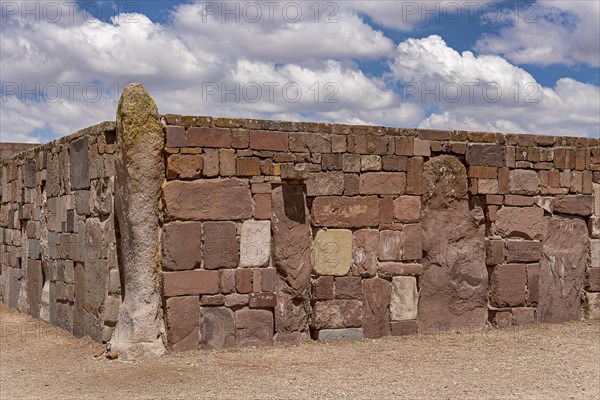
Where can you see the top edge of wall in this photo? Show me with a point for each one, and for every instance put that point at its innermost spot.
(93, 130)
(511, 139)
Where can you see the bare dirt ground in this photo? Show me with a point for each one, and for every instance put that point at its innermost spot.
(536, 362)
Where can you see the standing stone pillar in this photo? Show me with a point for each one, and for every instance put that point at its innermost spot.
(138, 181)
(291, 253)
(453, 287)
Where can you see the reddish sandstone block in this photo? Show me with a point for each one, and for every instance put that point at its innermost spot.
(182, 244)
(564, 158)
(503, 180)
(386, 211)
(243, 280)
(221, 246)
(253, 327)
(483, 172)
(351, 162)
(403, 328)
(303, 142)
(490, 155)
(351, 183)
(325, 184)
(227, 280)
(348, 287)
(574, 205)
(184, 166)
(331, 162)
(533, 283)
(508, 285)
(495, 252)
(388, 270)
(222, 199)
(269, 140)
(175, 136)
(524, 182)
(195, 282)
(240, 139)
(391, 245)
(208, 137)
(377, 294)
(323, 288)
(523, 316)
(407, 209)
(262, 300)
(413, 242)
(183, 332)
(593, 280)
(268, 279)
(262, 206)
(502, 319)
(523, 251)
(368, 144)
(414, 176)
(394, 163)
(346, 212)
(405, 146)
(336, 314)
(248, 166)
(210, 163)
(227, 164)
(217, 328)
(365, 246)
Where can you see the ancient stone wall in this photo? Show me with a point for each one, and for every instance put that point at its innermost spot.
(280, 231)
(58, 247)
(8, 150)
(269, 231)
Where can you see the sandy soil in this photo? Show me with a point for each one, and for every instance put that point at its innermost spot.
(536, 362)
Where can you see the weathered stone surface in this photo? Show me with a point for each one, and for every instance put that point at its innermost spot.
(376, 298)
(221, 248)
(332, 252)
(184, 166)
(195, 282)
(592, 305)
(490, 155)
(323, 288)
(262, 300)
(453, 287)
(519, 222)
(208, 137)
(508, 285)
(593, 280)
(325, 184)
(182, 246)
(346, 212)
(523, 316)
(335, 314)
(405, 298)
(253, 327)
(391, 245)
(388, 270)
(182, 322)
(244, 280)
(222, 199)
(235, 300)
(309, 143)
(348, 287)
(562, 275)
(382, 183)
(34, 287)
(407, 209)
(502, 319)
(365, 245)
(523, 251)
(340, 334)
(79, 163)
(291, 255)
(412, 236)
(524, 182)
(217, 327)
(403, 328)
(255, 244)
(269, 140)
(574, 205)
(495, 251)
(370, 163)
(533, 284)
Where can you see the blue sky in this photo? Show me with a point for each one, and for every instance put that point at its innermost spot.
(513, 66)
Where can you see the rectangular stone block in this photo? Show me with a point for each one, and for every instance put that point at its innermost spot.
(195, 282)
(405, 298)
(508, 285)
(593, 280)
(403, 328)
(523, 251)
(253, 327)
(394, 163)
(533, 284)
(262, 300)
(339, 334)
(490, 155)
(183, 332)
(303, 142)
(370, 163)
(597, 199)
(332, 252)
(405, 146)
(381, 183)
(244, 280)
(255, 244)
(335, 314)
(574, 205)
(376, 298)
(269, 140)
(217, 328)
(407, 209)
(248, 166)
(221, 248)
(222, 199)
(346, 212)
(368, 144)
(325, 184)
(348, 287)
(79, 163)
(495, 252)
(182, 246)
(422, 148)
(175, 136)
(208, 137)
(414, 176)
(523, 316)
(323, 288)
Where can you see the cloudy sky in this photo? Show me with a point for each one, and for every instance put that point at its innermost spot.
(511, 66)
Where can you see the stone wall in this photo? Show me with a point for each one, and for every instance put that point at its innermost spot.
(281, 231)
(58, 247)
(8, 150)
(269, 231)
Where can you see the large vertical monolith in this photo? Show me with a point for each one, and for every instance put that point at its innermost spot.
(138, 181)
